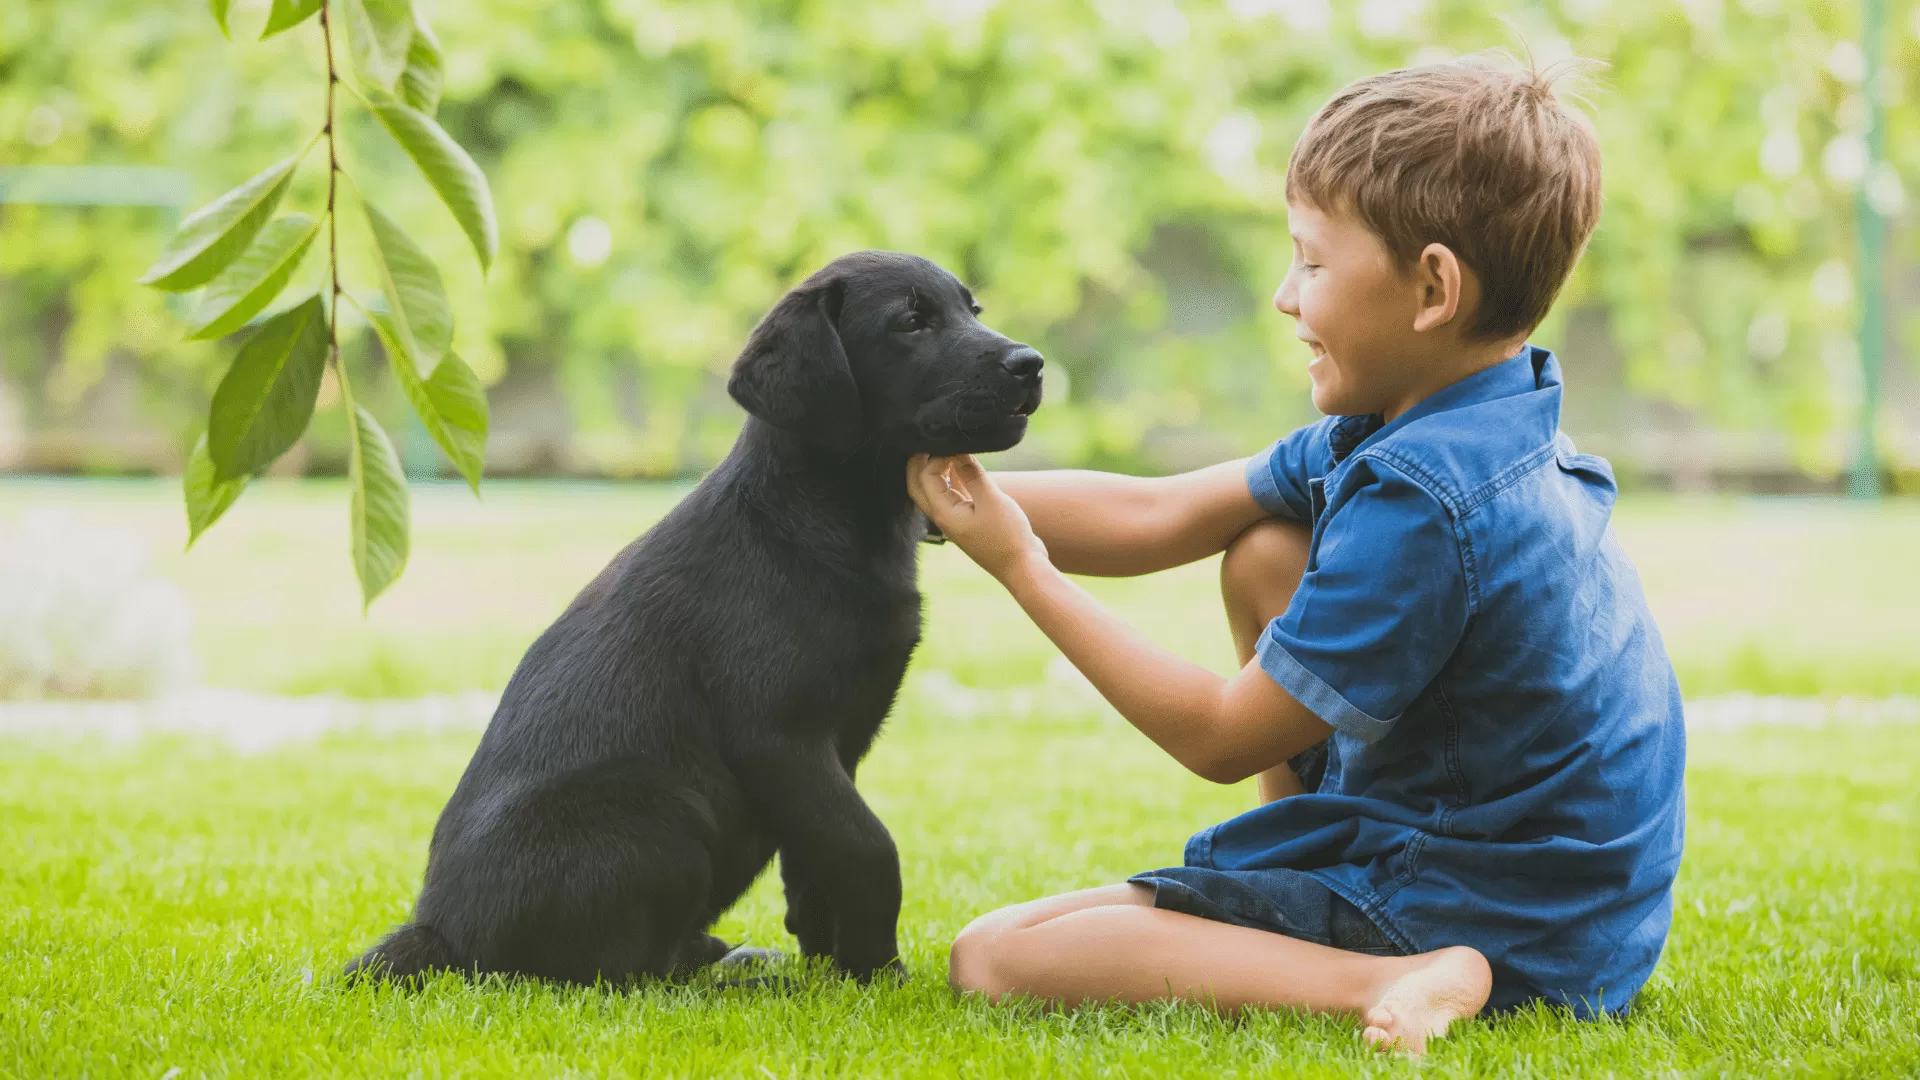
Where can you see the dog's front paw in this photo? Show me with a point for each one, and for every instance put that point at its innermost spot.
(889, 971)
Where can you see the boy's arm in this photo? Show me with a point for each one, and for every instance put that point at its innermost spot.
(1112, 525)
(1222, 729)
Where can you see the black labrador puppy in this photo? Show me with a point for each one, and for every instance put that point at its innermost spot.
(704, 702)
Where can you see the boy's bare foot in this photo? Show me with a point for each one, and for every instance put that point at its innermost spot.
(1447, 985)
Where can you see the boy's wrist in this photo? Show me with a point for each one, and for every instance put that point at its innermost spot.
(1024, 568)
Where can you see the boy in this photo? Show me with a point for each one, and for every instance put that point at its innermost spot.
(1466, 730)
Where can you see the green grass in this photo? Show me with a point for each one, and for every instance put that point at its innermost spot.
(1806, 597)
(174, 904)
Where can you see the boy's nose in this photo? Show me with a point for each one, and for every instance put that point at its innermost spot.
(1284, 299)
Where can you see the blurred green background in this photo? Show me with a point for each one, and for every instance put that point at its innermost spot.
(1798, 597)
(1106, 174)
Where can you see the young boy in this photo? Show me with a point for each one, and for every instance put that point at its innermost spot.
(1466, 731)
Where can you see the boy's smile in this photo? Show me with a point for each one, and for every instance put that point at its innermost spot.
(1351, 307)
(1382, 336)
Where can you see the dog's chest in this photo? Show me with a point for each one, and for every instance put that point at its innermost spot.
(855, 650)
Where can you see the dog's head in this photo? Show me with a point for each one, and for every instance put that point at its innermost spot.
(886, 352)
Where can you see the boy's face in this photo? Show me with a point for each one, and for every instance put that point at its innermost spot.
(1355, 309)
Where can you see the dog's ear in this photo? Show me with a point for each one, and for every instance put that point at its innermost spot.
(794, 375)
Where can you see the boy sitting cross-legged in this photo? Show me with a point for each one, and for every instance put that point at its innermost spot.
(1466, 731)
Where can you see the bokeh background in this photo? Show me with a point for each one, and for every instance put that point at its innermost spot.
(218, 775)
(1107, 175)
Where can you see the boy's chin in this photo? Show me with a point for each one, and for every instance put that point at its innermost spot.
(1330, 402)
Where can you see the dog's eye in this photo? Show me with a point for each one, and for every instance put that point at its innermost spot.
(913, 320)
(976, 308)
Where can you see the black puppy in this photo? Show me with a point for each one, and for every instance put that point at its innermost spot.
(704, 702)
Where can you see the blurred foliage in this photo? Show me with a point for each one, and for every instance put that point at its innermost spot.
(1108, 176)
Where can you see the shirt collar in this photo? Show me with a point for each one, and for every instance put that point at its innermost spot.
(1529, 370)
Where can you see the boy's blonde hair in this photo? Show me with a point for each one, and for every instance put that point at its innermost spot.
(1478, 154)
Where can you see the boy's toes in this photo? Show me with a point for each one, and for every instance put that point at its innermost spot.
(1382, 1032)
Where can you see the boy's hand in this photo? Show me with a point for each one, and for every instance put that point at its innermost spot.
(959, 497)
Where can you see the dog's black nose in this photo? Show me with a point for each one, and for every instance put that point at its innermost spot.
(1024, 362)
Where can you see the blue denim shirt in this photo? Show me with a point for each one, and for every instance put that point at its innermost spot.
(1505, 765)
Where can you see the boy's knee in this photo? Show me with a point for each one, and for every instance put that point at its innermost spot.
(1265, 564)
(970, 961)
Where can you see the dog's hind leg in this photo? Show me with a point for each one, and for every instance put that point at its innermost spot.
(614, 869)
(410, 951)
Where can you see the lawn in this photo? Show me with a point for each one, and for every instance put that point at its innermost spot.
(176, 904)
(1779, 596)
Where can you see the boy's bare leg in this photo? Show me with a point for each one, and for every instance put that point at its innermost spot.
(1258, 575)
(1111, 944)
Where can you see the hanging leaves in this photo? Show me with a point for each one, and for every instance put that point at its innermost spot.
(287, 14)
(416, 300)
(266, 399)
(426, 71)
(450, 403)
(447, 167)
(245, 288)
(379, 505)
(244, 257)
(217, 233)
(207, 495)
(379, 36)
(460, 404)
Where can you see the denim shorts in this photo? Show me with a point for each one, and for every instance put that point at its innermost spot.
(1289, 902)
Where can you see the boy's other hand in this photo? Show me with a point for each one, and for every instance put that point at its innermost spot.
(959, 497)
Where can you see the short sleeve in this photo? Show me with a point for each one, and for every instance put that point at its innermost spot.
(1380, 610)
(1278, 476)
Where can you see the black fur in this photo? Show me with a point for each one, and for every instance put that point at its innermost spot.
(704, 702)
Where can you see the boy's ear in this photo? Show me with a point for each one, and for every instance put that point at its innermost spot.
(1441, 279)
(794, 373)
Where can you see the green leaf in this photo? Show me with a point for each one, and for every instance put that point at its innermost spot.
(218, 232)
(379, 496)
(458, 181)
(426, 71)
(379, 38)
(450, 403)
(461, 401)
(208, 496)
(245, 288)
(287, 14)
(416, 299)
(266, 399)
(220, 16)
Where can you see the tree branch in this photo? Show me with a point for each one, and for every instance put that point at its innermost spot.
(333, 222)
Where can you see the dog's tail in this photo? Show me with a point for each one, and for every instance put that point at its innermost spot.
(408, 953)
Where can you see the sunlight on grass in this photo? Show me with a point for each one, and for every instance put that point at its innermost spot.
(1767, 596)
(174, 903)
